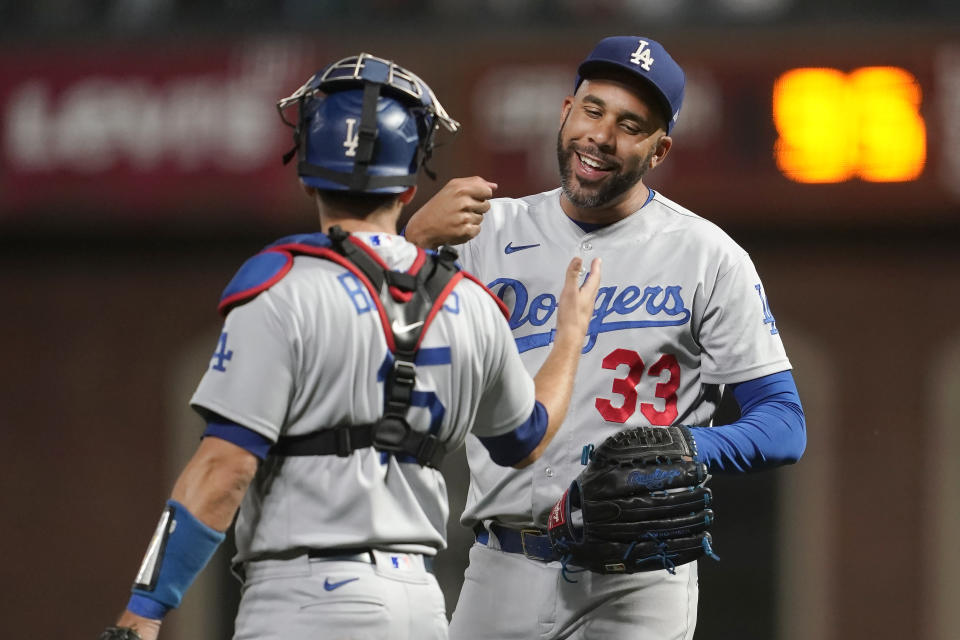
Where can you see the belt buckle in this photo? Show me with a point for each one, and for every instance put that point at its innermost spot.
(523, 544)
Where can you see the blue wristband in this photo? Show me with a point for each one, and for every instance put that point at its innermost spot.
(180, 549)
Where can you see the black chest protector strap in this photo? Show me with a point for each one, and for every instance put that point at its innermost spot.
(407, 321)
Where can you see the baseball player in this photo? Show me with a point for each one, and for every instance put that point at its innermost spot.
(350, 362)
(681, 314)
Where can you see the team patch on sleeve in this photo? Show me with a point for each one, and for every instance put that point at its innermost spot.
(767, 313)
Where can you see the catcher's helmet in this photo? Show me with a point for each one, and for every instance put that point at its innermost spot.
(365, 124)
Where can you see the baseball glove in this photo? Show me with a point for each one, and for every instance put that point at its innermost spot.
(640, 505)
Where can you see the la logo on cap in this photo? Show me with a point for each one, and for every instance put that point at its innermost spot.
(641, 57)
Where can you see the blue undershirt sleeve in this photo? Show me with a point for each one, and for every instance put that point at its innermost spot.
(510, 448)
(771, 430)
(220, 427)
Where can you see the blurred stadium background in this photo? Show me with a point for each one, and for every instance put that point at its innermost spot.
(140, 165)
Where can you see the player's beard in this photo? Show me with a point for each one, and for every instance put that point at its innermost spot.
(612, 188)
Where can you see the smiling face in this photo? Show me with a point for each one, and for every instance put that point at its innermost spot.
(612, 134)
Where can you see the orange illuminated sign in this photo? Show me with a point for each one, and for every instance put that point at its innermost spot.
(836, 126)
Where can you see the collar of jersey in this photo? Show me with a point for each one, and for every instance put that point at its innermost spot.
(593, 226)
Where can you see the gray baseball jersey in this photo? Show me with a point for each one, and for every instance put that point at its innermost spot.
(680, 312)
(309, 353)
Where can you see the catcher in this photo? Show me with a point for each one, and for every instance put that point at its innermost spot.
(350, 362)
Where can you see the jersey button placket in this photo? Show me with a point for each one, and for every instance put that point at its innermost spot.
(585, 247)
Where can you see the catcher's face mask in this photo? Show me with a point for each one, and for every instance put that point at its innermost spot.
(364, 124)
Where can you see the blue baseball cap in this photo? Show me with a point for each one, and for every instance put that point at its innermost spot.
(644, 58)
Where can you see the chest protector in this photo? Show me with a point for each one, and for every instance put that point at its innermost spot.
(407, 304)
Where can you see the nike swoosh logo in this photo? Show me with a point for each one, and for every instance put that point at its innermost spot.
(403, 328)
(330, 586)
(510, 248)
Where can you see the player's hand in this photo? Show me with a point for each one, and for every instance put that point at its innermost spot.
(576, 304)
(554, 380)
(453, 215)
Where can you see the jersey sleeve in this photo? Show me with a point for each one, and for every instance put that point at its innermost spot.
(508, 394)
(250, 377)
(738, 332)
(512, 447)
